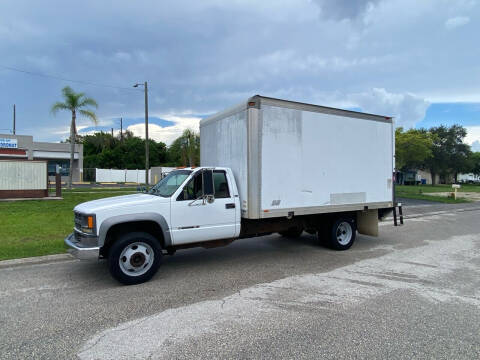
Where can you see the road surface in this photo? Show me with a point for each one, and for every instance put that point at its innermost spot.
(414, 292)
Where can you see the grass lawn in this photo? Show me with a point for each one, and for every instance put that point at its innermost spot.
(419, 191)
(36, 227)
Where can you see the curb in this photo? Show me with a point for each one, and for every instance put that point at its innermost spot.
(28, 199)
(35, 260)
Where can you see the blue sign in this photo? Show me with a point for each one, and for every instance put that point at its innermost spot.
(8, 143)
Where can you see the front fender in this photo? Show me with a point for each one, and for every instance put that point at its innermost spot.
(118, 219)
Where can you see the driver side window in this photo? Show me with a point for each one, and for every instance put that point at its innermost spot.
(193, 189)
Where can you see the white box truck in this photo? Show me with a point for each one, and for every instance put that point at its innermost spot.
(267, 166)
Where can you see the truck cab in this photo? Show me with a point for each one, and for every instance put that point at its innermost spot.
(187, 207)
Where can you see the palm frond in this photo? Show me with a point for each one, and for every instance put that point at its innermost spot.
(67, 92)
(89, 114)
(74, 102)
(59, 106)
(78, 97)
(86, 101)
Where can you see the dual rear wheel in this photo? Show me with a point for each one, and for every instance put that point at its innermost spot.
(339, 233)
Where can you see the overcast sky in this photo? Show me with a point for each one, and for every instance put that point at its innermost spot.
(415, 60)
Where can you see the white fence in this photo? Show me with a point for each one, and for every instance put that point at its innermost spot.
(131, 176)
(23, 175)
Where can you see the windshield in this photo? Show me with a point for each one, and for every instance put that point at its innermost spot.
(169, 184)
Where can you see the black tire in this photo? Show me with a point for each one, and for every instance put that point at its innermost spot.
(130, 243)
(292, 232)
(341, 234)
(323, 235)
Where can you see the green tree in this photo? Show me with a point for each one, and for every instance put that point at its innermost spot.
(412, 148)
(76, 103)
(185, 150)
(102, 150)
(475, 163)
(449, 152)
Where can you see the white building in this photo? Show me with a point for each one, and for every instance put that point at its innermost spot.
(56, 154)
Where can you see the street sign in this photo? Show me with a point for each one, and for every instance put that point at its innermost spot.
(7, 143)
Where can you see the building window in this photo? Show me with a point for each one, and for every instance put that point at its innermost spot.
(64, 167)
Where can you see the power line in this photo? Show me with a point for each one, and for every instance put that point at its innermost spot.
(66, 79)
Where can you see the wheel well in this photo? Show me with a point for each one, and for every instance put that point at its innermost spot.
(317, 222)
(150, 227)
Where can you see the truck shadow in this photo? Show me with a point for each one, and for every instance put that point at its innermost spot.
(298, 255)
(268, 248)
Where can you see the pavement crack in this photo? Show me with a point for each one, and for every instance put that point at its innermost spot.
(419, 264)
(95, 343)
(132, 324)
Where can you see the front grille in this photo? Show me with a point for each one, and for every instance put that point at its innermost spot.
(77, 220)
(85, 241)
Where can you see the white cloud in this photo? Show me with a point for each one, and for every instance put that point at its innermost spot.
(122, 56)
(169, 133)
(455, 22)
(406, 108)
(473, 135)
(476, 145)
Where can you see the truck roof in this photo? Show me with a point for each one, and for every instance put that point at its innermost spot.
(196, 168)
(257, 101)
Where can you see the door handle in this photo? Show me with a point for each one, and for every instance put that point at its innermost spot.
(230, 206)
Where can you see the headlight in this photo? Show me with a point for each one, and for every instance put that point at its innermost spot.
(85, 223)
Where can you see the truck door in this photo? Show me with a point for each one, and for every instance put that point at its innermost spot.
(204, 210)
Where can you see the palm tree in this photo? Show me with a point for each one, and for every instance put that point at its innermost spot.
(191, 145)
(75, 102)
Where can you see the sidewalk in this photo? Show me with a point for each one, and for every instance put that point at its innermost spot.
(419, 207)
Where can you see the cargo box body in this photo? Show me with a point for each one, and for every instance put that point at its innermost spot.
(293, 159)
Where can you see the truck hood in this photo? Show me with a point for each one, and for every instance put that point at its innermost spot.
(91, 207)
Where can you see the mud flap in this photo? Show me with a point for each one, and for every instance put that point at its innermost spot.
(367, 222)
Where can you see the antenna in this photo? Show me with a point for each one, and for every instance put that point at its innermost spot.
(14, 118)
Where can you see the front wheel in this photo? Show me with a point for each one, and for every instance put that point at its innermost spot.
(342, 233)
(134, 258)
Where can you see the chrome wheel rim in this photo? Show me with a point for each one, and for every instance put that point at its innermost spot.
(136, 259)
(344, 233)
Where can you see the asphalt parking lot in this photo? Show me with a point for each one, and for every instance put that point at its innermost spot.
(414, 292)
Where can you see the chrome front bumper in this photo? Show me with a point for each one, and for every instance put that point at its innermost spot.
(82, 247)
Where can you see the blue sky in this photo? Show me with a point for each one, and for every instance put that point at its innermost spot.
(414, 60)
(466, 114)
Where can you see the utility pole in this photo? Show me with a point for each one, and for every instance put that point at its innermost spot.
(146, 135)
(121, 130)
(14, 119)
(145, 89)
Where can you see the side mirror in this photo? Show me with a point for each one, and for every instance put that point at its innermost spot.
(210, 198)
